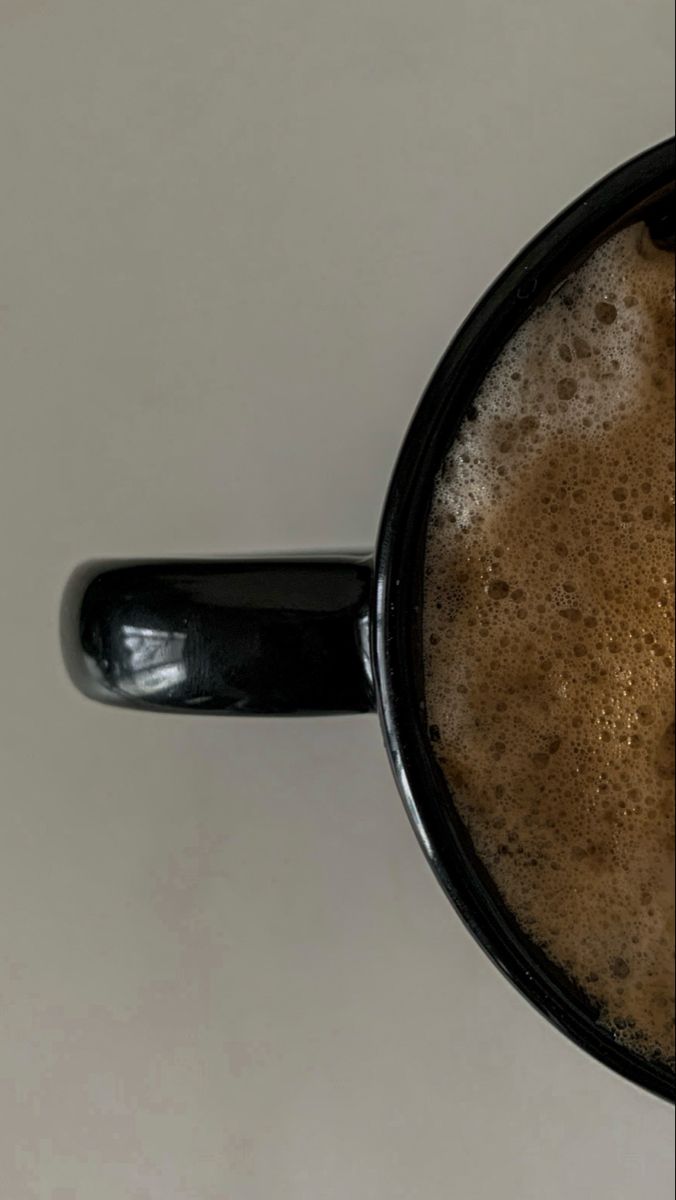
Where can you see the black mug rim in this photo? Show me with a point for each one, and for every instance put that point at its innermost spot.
(638, 189)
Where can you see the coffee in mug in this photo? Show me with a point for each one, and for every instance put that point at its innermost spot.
(549, 638)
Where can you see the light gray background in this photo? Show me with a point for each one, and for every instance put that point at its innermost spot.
(235, 237)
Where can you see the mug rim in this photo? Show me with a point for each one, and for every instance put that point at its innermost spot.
(631, 192)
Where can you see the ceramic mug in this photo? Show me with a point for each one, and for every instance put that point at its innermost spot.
(342, 633)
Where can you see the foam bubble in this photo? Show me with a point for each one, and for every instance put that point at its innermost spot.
(549, 633)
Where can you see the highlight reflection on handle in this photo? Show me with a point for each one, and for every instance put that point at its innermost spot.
(238, 636)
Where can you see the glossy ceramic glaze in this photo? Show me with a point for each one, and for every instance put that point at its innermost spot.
(239, 637)
(339, 634)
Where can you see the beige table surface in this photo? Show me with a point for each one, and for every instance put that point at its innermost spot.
(235, 236)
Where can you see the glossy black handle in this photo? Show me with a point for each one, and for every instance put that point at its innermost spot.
(246, 636)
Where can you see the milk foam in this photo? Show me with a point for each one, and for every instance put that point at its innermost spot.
(549, 637)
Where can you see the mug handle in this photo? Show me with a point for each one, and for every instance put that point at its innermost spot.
(248, 636)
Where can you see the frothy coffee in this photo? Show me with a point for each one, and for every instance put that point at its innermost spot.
(549, 637)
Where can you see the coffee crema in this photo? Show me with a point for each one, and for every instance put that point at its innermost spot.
(549, 635)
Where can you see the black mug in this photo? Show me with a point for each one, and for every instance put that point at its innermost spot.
(342, 633)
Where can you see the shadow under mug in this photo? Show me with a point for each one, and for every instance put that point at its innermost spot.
(342, 633)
